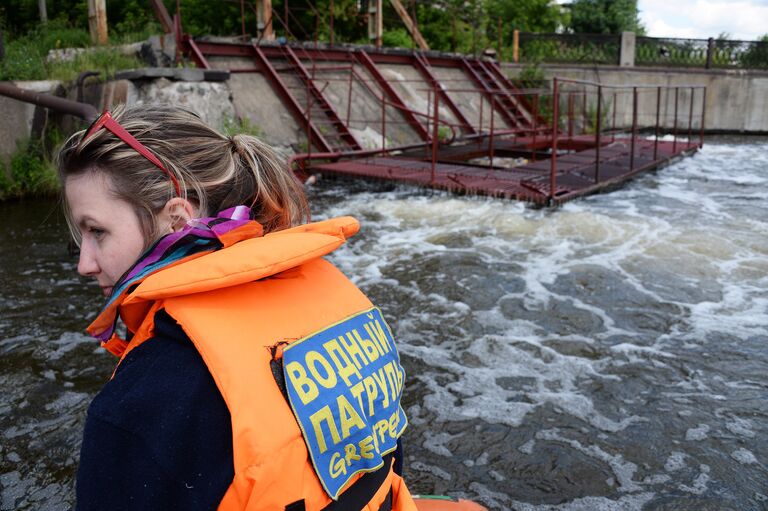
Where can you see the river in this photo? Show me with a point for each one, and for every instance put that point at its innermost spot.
(607, 355)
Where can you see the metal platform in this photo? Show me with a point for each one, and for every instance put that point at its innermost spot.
(578, 173)
(468, 128)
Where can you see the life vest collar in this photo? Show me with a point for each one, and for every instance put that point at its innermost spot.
(247, 260)
(238, 262)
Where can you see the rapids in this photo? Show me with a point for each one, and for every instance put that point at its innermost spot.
(607, 355)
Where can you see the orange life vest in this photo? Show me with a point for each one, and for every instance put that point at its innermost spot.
(241, 306)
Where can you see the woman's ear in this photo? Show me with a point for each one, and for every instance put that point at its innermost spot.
(177, 212)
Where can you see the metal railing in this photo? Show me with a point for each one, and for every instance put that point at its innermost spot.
(609, 114)
(649, 51)
(707, 53)
(577, 48)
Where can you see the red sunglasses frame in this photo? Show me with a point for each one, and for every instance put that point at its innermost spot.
(106, 121)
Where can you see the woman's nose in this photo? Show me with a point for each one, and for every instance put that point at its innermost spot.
(86, 265)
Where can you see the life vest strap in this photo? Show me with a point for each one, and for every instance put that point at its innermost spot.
(360, 493)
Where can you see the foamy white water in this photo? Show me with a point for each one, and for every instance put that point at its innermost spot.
(608, 355)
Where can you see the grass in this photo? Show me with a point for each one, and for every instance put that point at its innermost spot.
(242, 126)
(25, 57)
(31, 173)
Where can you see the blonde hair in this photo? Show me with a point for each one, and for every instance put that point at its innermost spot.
(214, 171)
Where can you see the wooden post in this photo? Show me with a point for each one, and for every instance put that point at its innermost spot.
(498, 50)
(286, 13)
(268, 33)
(409, 23)
(379, 22)
(264, 19)
(43, 11)
(330, 26)
(242, 17)
(97, 21)
(516, 46)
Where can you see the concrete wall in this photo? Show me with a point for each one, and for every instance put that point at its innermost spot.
(17, 119)
(737, 100)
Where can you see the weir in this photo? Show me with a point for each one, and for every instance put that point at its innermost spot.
(460, 124)
(448, 121)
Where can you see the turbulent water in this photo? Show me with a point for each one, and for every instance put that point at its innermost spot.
(608, 355)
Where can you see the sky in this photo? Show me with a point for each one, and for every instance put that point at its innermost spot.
(745, 20)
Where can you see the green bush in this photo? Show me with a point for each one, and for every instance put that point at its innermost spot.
(756, 56)
(397, 38)
(31, 173)
(106, 60)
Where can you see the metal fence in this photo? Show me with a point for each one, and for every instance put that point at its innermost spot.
(707, 53)
(576, 48)
(649, 51)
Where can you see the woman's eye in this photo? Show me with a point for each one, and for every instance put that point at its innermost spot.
(96, 232)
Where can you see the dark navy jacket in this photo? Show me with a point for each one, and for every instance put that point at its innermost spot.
(158, 436)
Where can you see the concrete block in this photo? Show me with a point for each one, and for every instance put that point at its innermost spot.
(159, 50)
(180, 74)
(188, 74)
(627, 54)
(216, 75)
(145, 73)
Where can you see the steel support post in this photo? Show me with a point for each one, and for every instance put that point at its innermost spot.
(690, 119)
(436, 113)
(383, 122)
(490, 139)
(480, 127)
(597, 132)
(634, 130)
(658, 113)
(613, 125)
(536, 127)
(703, 116)
(553, 159)
(674, 129)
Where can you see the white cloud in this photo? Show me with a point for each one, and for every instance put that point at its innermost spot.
(743, 19)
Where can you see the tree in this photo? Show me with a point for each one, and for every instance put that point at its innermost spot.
(756, 56)
(605, 17)
(526, 16)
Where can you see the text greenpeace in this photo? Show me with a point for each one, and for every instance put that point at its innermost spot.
(344, 385)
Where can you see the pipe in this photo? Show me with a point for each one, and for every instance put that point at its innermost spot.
(62, 105)
(81, 80)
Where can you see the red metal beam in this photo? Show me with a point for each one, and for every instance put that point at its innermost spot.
(298, 113)
(394, 97)
(490, 88)
(423, 67)
(341, 129)
(197, 55)
(535, 122)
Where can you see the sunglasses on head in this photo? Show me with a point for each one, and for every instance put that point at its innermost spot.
(106, 121)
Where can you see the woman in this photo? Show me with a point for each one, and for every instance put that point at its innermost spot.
(253, 374)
